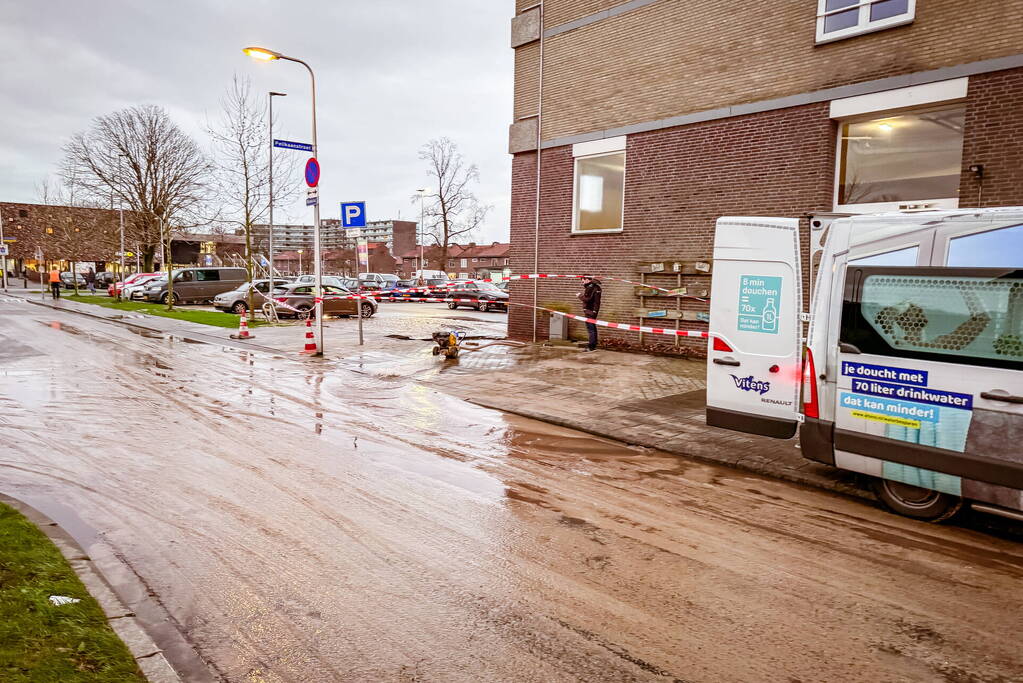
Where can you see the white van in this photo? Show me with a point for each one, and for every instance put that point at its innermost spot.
(911, 368)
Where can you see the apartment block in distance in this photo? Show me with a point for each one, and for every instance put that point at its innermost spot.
(655, 117)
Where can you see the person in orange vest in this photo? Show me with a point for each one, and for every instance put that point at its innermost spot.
(55, 283)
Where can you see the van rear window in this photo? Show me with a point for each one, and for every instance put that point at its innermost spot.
(954, 315)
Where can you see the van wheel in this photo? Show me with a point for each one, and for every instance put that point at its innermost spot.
(916, 502)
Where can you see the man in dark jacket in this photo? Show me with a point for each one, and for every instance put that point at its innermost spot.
(590, 296)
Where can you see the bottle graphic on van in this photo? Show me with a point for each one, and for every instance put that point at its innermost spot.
(769, 318)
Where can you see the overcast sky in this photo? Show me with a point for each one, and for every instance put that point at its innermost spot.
(391, 74)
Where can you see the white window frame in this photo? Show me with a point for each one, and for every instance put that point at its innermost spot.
(864, 24)
(893, 103)
(592, 150)
(465, 263)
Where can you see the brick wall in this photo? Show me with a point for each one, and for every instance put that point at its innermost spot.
(680, 56)
(994, 138)
(679, 181)
(527, 81)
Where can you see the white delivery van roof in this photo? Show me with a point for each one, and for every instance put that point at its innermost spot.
(875, 227)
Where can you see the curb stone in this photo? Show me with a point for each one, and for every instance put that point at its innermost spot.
(147, 654)
(193, 336)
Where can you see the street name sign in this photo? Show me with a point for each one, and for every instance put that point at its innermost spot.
(312, 172)
(312, 196)
(288, 144)
(353, 215)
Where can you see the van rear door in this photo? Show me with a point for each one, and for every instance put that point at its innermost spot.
(753, 368)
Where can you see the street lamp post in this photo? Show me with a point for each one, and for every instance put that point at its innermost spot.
(300, 261)
(265, 55)
(422, 195)
(120, 218)
(271, 247)
(4, 257)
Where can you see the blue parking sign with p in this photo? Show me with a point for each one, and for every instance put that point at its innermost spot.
(353, 215)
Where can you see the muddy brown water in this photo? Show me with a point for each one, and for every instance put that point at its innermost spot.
(338, 521)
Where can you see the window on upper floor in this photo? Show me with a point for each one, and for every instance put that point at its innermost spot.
(886, 162)
(837, 19)
(599, 193)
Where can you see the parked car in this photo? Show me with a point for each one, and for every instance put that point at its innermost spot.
(436, 289)
(105, 279)
(382, 280)
(502, 285)
(131, 281)
(237, 300)
(343, 281)
(67, 280)
(297, 300)
(197, 284)
(136, 290)
(485, 296)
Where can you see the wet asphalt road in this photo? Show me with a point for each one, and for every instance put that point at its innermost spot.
(353, 525)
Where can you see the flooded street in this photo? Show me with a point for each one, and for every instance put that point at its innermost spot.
(305, 520)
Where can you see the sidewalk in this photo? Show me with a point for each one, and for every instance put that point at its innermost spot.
(641, 400)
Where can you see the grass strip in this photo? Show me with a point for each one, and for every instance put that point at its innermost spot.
(214, 318)
(42, 642)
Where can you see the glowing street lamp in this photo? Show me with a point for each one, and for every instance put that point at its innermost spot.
(264, 55)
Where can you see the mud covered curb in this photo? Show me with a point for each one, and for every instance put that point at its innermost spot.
(147, 654)
(200, 337)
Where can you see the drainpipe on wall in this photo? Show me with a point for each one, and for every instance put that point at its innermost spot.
(539, 165)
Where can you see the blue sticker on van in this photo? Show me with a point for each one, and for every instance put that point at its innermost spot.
(759, 302)
(936, 397)
(885, 373)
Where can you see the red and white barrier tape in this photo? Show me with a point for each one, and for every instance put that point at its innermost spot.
(602, 323)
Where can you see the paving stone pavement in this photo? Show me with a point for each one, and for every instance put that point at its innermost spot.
(650, 401)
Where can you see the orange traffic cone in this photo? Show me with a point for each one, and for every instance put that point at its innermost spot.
(310, 339)
(243, 329)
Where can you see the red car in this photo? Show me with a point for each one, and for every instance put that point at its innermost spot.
(115, 287)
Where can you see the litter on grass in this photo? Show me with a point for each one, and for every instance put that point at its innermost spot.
(59, 600)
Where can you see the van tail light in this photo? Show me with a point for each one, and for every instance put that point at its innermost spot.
(720, 345)
(809, 388)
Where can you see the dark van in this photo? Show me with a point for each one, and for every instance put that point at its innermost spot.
(193, 285)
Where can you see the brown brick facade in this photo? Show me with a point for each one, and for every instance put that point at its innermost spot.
(674, 57)
(680, 180)
(994, 139)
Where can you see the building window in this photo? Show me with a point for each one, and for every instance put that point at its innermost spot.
(465, 263)
(507, 262)
(22, 213)
(599, 193)
(889, 161)
(837, 19)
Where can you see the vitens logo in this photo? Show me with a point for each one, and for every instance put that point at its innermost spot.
(750, 384)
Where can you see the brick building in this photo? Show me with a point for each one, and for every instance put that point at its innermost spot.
(655, 117)
(43, 235)
(478, 261)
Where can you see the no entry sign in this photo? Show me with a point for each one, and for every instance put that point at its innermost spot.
(312, 172)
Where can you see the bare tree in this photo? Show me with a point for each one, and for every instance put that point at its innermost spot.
(452, 210)
(140, 157)
(241, 141)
